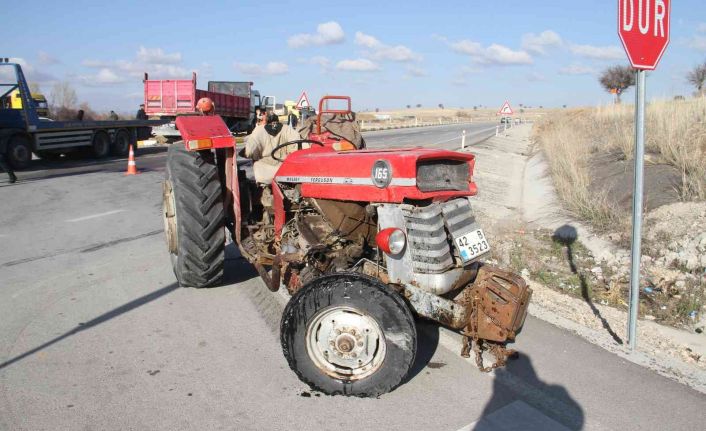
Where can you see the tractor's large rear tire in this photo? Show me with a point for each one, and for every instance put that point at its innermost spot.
(194, 217)
(349, 334)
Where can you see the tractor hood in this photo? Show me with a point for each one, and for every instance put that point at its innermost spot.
(391, 175)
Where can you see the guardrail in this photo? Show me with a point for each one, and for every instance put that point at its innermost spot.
(375, 125)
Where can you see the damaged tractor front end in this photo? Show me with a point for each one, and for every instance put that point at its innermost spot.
(486, 304)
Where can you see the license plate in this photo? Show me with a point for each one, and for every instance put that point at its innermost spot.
(472, 245)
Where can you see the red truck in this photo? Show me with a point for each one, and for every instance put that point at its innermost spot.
(168, 98)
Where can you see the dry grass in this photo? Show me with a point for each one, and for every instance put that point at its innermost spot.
(675, 134)
(568, 144)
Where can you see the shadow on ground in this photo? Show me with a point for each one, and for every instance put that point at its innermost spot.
(566, 235)
(521, 400)
(427, 343)
(129, 306)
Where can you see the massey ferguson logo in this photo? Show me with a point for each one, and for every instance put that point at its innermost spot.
(381, 174)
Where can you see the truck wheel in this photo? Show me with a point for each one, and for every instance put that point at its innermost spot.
(101, 145)
(194, 217)
(349, 334)
(121, 146)
(19, 152)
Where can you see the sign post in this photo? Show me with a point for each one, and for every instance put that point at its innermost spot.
(643, 27)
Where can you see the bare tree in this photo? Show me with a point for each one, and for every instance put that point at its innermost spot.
(441, 106)
(617, 79)
(63, 95)
(697, 78)
(409, 106)
(419, 105)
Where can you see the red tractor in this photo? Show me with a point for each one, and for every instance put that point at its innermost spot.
(362, 239)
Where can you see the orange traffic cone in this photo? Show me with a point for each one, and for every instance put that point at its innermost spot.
(131, 167)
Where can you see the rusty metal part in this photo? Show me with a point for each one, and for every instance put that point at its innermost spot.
(434, 307)
(348, 219)
(263, 274)
(499, 299)
(169, 216)
(498, 350)
(372, 269)
(276, 274)
(489, 312)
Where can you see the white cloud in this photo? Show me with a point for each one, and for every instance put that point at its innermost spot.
(494, 54)
(499, 54)
(157, 56)
(327, 33)
(381, 52)
(416, 72)
(358, 65)
(467, 47)
(366, 40)
(271, 68)
(154, 61)
(698, 42)
(32, 74)
(576, 69)
(459, 82)
(45, 59)
(538, 43)
(321, 61)
(701, 27)
(598, 52)
(96, 63)
(468, 70)
(535, 77)
(104, 76)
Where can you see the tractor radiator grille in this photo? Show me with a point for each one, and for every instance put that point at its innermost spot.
(428, 231)
(459, 217)
(427, 240)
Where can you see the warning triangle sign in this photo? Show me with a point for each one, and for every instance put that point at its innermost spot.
(506, 109)
(303, 101)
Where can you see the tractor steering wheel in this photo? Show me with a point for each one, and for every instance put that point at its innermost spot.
(298, 142)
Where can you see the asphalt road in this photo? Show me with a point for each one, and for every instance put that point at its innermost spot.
(446, 137)
(95, 334)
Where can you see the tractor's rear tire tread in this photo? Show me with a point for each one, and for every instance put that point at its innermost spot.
(200, 216)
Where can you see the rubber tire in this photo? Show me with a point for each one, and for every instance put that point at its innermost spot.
(19, 152)
(121, 146)
(199, 217)
(101, 145)
(365, 294)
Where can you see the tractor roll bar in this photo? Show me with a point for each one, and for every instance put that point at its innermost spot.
(331, 111)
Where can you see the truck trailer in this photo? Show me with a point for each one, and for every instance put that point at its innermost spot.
(167, 99)
(22, 132)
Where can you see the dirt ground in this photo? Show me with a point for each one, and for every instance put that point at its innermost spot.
(613, 175)
(579, 276)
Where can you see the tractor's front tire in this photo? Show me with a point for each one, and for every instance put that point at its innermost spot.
(349, 334)
(194, 217)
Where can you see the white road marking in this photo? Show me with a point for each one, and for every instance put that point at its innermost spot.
(88, 217)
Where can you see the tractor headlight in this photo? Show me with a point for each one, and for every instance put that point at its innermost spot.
(391, 240)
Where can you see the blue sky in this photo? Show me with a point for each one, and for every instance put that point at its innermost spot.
(385, 54)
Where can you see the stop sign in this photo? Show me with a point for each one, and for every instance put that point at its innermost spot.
(643, 26)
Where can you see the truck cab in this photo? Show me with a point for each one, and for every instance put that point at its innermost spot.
(40, 102)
